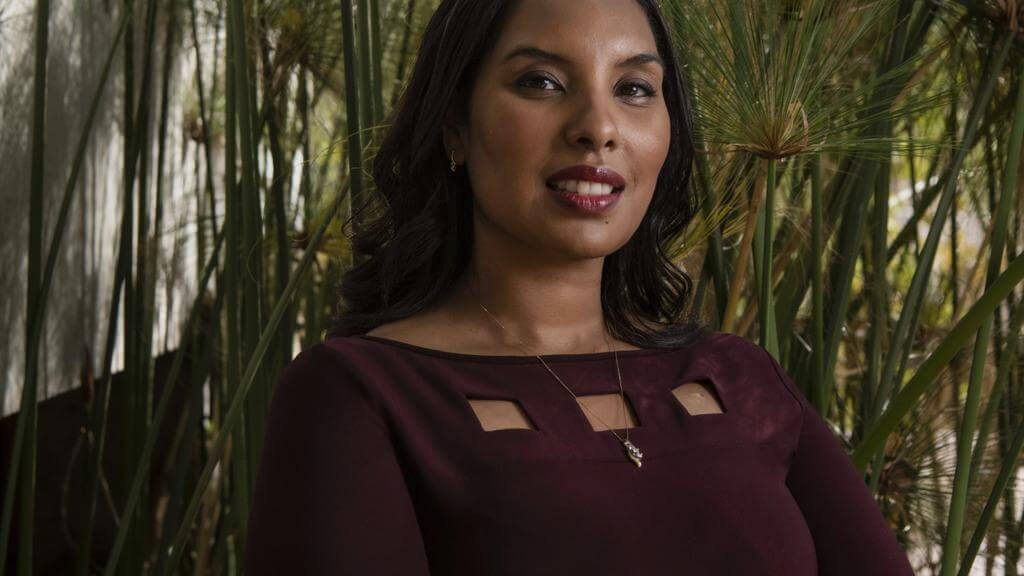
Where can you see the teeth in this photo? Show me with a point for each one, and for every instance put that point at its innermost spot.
(584, 187)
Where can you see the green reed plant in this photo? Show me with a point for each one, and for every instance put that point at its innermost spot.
(764, 76)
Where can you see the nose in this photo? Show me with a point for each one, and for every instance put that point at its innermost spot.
(593, 124)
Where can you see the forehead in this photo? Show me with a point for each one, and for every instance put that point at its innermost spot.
(580, 30)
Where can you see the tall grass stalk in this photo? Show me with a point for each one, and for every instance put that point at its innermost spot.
(25, 477)
(768, 336)
(817, 391)
(233, 357)
(965, 446)
(900, 344)
(234, 413)
(40, 296)
(1012, 454)
(142, 469)
(937, 361)
(353, 110)
(250, 275)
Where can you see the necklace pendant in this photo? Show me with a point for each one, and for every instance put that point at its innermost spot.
(633, 452)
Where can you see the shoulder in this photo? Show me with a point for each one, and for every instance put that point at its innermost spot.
(743, 360)
(317, 363)
(728, 347)
(319, 405)
(324, 378)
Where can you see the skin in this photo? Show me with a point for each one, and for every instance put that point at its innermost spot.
(535, 264)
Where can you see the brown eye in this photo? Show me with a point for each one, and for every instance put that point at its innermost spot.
(531, 81)
(536, 82)
(648, 91)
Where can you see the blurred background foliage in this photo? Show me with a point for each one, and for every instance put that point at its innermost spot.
(192, 167)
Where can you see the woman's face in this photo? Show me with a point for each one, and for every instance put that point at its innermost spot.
(589, 103)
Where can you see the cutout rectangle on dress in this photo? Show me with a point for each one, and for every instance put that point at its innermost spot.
(605, 411)
(500, 414)
(698, 398)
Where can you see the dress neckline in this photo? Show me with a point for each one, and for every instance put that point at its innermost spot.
(515, 359)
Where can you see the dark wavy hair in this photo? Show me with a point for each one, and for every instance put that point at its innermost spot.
(419, 243)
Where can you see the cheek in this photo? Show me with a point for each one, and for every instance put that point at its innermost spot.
(652, 144)
(648, 148)
(507, 154)
(509, 138)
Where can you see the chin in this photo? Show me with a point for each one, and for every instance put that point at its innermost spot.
(596, 249)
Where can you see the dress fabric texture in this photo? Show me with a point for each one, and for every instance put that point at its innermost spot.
(374, 463)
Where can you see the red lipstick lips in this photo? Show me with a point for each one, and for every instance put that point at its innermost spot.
(587, 203)
(590, 174)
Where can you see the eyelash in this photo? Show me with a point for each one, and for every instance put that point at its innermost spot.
(651, 92)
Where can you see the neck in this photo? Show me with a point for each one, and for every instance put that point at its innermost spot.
(551, 307)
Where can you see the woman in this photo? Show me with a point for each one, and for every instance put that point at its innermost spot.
(513, 384)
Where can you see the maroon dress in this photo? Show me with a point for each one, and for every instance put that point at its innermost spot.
(375, 463)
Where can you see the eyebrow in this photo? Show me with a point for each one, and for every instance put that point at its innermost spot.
(534, 52)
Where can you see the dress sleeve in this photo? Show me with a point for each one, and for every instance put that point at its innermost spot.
(851, 537)
(329, 496)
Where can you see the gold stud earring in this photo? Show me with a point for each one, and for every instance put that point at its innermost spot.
(451, 154)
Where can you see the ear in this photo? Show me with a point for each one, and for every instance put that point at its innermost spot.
(453, 136)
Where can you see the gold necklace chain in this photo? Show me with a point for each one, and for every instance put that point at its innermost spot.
(632, 451)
